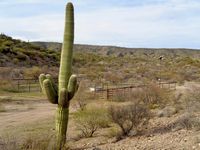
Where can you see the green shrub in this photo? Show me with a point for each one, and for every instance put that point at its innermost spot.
(21, 56)
(89, 121)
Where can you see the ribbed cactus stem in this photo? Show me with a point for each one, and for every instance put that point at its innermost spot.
(67, 47)
(67, 83)
(50, 91)
(42, 77)
(48, 76)
(61, 126)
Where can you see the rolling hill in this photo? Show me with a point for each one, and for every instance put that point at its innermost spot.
(107, 63)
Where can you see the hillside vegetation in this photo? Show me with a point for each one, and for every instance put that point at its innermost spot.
(19, 53)
(116, 64)
(105, 63)
(143, 118)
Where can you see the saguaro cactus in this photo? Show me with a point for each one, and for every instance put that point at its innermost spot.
(67, 83)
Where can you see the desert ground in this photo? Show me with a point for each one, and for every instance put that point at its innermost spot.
(27, 116)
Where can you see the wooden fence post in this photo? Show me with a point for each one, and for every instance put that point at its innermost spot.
(29, 87)
(18, 85)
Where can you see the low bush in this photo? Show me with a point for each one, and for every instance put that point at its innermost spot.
(153, 96)
(32, 72)
(129, 117)
(82, 96)
(186, 121)
(88, 121)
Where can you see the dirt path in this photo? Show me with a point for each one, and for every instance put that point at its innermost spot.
(25, 112)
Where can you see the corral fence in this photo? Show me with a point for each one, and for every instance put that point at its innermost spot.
(26, 85)
(106, 91)
(32, 85)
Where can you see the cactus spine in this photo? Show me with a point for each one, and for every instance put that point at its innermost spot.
(67, 83)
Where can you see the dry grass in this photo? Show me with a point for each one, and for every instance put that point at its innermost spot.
(2, 108)
(31, 142)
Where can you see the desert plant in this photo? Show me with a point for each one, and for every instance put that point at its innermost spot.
(152, 95)
(32, 72)
(129, 117)
(187, 121)
(67, 82)
(8, 143)
(192, 100)
(82, 95)
(2, 108)
(32, 143)
(88, 121)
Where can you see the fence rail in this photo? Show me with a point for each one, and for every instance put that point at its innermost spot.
(104, 91)
(26, 85)
(111, 92)
(31, 85)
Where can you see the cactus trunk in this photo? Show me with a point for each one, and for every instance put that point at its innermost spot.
(67, 83)
(61, 126)
(66, 54)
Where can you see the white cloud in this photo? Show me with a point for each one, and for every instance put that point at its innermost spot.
(174, 23)
(11, 2)
(141, 25)
(43, 27)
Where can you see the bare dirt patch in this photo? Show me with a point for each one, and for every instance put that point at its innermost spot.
(160, 134)
(21, 112)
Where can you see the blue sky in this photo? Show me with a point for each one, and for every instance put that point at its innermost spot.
(129, 23)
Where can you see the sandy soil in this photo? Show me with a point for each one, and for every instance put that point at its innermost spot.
(22, 112)
(158, 137)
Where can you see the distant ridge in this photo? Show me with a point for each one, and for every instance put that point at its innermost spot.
(15, 52)
(123, 51)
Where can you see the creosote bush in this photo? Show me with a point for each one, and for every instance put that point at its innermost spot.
(88, 121)
(129, 117)
(153, 96)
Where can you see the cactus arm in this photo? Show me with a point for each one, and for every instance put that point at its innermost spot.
(50, 92)
(77, 86)
(67, 47)
(42, 77)
(72, 85)
(48, 76)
